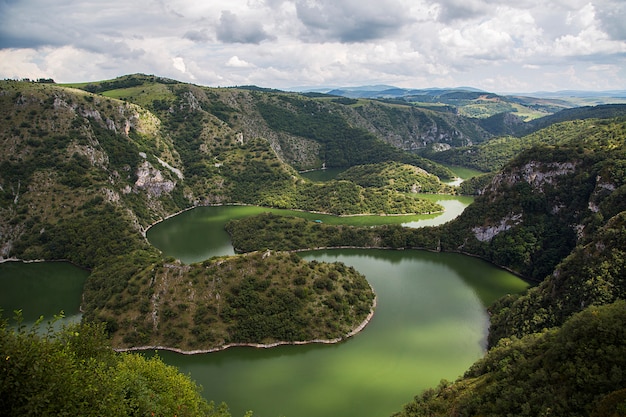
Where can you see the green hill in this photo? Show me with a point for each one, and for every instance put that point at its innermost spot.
(495, 153)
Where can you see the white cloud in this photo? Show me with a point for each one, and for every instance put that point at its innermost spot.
(487, 44)
(236, 62)
(179, 63)
(20, 63)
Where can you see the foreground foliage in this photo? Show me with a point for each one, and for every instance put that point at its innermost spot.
(74, 372)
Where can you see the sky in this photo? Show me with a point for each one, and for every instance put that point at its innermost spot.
(498, 46)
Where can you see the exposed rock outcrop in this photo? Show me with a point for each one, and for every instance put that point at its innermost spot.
(152, 180)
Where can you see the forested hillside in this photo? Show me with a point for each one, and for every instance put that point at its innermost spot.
(306, 131)
(495, 153)
(83, 173)
(555, 214)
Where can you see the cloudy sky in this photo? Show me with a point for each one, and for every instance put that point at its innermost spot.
(496, 45)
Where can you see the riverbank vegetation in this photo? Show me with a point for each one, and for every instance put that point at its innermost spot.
(75, 372)
(295, 233)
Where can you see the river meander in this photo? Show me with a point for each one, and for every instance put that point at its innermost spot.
(430, 324)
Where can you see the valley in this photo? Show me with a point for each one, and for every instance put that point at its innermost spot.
(87, 169)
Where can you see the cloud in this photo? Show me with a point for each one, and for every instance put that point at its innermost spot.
(232, 29)
(235, 62)
(613, 19)
(452, 10)
(197, 35)
(351, 20)
(487, 44)
(179, 64)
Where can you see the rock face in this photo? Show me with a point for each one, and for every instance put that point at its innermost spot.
(151, 180)
(539, 175)
(487, 233)
(410, 128)
(536, 173)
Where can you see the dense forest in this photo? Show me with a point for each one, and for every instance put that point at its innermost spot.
(86, 169)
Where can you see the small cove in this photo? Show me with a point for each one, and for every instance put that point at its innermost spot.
(41, 289)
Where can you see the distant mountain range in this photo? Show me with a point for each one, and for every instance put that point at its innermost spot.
(572, 98)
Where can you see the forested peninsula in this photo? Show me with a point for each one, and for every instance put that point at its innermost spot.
(85, 169)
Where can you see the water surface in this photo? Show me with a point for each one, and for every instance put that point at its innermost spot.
(430, 324)
(198, 234)
(41, 289)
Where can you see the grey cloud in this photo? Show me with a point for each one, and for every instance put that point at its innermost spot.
(452, 10)
(18, 32)
(613, 17)
(196, 36)
(231, 29)
(351, 21)
(9, 39)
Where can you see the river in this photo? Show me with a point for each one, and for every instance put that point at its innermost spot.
(430, 324)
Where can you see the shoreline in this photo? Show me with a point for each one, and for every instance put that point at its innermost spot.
(336, 340)
(144, 231)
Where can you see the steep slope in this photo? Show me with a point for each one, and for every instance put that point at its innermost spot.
(68, 155)
(307, 130)
(593, 274)
(548, 199)
(557, 349)
(559, 128)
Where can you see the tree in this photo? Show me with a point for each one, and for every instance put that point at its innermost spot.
(74, 372)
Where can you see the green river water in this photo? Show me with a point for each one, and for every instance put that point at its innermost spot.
(430, 323)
